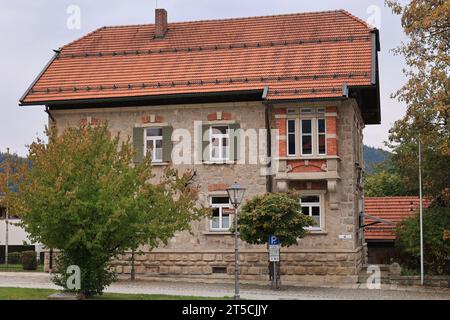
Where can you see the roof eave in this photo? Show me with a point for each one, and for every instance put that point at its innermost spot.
(165, 99)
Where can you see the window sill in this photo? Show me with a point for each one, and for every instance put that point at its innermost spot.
(159, 164)
(219, 162)
(217, 233)
(308, 157)
(317, 232)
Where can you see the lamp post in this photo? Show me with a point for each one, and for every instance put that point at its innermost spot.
(421, 212)
(7, 209)
(236, 194)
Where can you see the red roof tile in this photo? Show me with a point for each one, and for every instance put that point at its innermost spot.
(303, 55)
(393, 209)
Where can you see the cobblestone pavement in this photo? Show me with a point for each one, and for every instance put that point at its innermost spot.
(191, 288)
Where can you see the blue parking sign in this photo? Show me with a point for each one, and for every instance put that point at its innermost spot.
(273, 240)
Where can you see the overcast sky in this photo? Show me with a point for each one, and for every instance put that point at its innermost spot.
(30, 30)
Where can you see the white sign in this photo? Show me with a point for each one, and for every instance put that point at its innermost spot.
(274, 253)
(345, 237)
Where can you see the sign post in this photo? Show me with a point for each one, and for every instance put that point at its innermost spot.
(274, 257)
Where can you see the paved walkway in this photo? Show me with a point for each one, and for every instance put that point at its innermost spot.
(158, 286)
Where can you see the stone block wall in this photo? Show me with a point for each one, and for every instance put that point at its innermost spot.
(295, 266)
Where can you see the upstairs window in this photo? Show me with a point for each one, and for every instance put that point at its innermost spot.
(291, 129)
(307, 137)
(153, 143)
(306, 133)
(220, 143)
(321, 137)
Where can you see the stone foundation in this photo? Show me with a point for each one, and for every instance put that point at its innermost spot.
(295, 266)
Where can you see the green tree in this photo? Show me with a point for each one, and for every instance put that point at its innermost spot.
(426, 94)
(387, 180)
(11, 170)
(383, 184)
(84, 197)
(436, 247)
(276, 214)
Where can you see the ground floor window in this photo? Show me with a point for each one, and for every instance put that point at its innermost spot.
(312, 206)
(220, 220)
(154, 143)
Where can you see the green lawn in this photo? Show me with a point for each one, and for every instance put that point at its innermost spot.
(18, 268)
(42, 294)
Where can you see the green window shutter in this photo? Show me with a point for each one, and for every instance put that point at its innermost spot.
(167, 143)
(204, 153)
(138, 144)
(234, 141)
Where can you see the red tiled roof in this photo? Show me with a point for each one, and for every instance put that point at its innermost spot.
(393, 209)
(304, 55)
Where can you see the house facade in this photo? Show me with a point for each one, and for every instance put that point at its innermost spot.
(276, 103)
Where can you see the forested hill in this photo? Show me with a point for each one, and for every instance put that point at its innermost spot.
(3, 156)
(373, 156)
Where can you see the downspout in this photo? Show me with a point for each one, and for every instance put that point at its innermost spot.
(47, 110)
(268, 109)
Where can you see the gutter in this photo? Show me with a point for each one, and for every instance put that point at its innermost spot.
(146, 98)
(375, 50)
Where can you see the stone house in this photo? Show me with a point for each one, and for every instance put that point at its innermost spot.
(303, 85)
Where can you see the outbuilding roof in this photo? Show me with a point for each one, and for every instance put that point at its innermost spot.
(394, 209)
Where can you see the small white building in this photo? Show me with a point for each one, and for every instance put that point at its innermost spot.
(17, 237)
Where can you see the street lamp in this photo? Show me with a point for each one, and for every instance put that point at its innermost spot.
(236, 194)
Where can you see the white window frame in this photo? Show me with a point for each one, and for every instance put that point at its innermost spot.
(313, 115)
(318, 135)
(320, 205)
(295, 137)
(310, 134)
(154, 139)
(220, 206)
(219, 136)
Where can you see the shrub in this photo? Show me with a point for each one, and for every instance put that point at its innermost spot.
(436, 249)
(29, 261)
(276, 214)
(14, 258)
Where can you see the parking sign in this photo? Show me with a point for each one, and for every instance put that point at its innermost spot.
(273, 241)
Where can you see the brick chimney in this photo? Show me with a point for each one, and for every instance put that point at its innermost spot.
(160, 23)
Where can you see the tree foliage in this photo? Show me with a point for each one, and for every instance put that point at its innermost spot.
(84, 197)
(436, 247)
(276, 214)
(11, 171)
(426, 93)
(388, 180)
